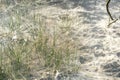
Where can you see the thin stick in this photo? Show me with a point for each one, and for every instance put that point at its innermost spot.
(107, 8)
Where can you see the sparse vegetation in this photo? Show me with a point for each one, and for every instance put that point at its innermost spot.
(65, 39)
(22, 54)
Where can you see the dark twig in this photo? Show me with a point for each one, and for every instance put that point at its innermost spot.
(107, 8)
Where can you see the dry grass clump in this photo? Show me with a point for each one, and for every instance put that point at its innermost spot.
(47, 47)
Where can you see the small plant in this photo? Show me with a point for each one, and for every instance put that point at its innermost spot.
(41, 48)
(55, 52)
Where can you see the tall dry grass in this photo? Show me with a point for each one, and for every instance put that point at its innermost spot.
(35, 48)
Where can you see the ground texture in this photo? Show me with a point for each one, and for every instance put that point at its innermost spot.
(98, 45)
